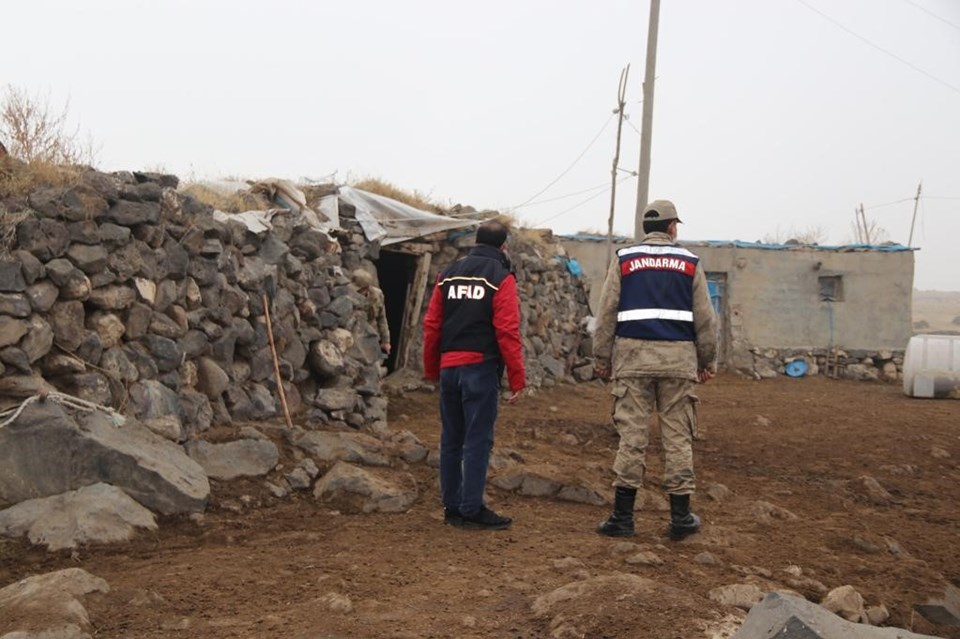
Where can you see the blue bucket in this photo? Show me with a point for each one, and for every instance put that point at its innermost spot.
(796, 368)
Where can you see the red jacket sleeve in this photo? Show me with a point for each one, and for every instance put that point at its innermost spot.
(432, 322)
(506, 322)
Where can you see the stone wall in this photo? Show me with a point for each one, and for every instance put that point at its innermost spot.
(120, 290)
(858, 365)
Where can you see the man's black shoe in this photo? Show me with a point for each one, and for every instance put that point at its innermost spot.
(620, 523)
(486, 519)
(683, 523)
(681, 529)
(452, 517)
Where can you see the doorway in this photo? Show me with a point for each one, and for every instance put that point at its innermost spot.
(717, 286)
(403, 278)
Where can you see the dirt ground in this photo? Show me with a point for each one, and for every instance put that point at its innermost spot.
(255, 566)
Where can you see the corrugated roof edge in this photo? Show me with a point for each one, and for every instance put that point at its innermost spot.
(584, 237)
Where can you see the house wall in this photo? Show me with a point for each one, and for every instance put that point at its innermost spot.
(592, 257)
(773, 296)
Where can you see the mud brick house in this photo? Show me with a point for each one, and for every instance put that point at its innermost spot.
(843, 309)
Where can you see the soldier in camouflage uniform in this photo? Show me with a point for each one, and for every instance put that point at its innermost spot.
(376, 308)
(657, 336)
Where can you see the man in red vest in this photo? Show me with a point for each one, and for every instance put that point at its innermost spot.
(470, 332)
(657, 336)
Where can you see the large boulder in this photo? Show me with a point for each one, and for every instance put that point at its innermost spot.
(48, 605)
(46, 451)
(784, 615)
(100, 513)
(354, 489)
(240, 458)
(340, 446)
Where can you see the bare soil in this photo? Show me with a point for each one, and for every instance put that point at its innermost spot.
(256, 566)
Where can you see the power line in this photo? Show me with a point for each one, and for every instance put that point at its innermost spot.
(632, 126)
(572, 164)
(879, 48)
(931, 13)
(880, 206)
(563, 197)
(908, 199)
(579, 204)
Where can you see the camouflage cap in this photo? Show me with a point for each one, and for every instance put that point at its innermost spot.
(661, 210)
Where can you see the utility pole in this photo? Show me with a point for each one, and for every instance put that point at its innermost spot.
(643, 186)
(856, 220)
(916, 202)
(621, 103)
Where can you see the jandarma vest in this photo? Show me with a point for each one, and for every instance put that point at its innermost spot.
(656, 292)
(468, 286)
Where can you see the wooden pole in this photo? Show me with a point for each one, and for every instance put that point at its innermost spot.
(916, 202)
(276, 362)
(643, 184)
(621, 103)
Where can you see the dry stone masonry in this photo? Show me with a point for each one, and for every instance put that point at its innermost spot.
(124, 292)
(120, 290)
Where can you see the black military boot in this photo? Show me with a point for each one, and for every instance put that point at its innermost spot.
(682, 521)
(620, 523)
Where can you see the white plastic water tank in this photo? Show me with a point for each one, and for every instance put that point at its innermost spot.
(931, 366)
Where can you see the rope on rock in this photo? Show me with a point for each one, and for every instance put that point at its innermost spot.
(67, 401)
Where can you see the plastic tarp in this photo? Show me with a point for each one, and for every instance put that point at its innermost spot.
(380, 217)
(893, 248)
(286, 194)
(890, 248)
(383, 218)
(281, 192)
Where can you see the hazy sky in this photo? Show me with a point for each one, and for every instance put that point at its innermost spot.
(769, 117)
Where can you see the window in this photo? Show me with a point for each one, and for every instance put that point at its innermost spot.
(831, 288)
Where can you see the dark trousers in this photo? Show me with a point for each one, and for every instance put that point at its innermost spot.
(468, 411)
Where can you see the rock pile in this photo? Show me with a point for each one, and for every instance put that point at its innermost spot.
(124, 292)
(858, 365)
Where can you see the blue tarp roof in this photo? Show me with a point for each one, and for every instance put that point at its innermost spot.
(587, 237)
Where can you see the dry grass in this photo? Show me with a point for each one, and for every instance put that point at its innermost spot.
(415, 199)
(8, 229)
(227, 202)
(19, 179)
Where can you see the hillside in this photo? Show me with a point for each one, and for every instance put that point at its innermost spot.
(936, 311)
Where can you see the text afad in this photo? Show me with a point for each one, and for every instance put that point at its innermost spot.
(466, 291)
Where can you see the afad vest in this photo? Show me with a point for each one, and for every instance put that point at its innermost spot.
(468, 287)
(656, 292)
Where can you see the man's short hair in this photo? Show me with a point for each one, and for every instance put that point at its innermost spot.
(492, 233)
(657, 226)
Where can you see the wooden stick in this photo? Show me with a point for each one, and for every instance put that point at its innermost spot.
(276, 362)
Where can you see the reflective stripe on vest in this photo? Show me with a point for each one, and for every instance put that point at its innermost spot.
(656, 292)
(655, 313)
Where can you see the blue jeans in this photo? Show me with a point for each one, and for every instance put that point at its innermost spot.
(468, 411)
